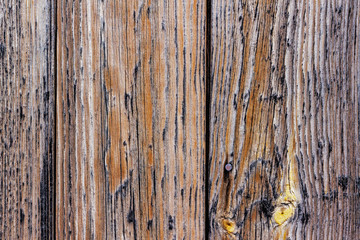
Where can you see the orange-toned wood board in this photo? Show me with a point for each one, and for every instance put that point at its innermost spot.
(130, 125)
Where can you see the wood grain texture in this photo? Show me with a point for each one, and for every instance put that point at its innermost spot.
(26, 119)
(130, 119)
(285, 114)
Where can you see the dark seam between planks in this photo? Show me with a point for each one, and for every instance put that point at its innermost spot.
(207, 113)
(54, 31)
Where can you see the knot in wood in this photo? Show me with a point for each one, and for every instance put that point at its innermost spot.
(228, 225)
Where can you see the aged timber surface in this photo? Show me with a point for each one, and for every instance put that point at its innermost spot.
(26, 119)
(130, 127)
(285, 114)
(122, 92)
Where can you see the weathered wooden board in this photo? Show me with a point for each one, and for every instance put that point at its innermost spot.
(130, 142)
(135, 119)
(26, 119)
(285, 114)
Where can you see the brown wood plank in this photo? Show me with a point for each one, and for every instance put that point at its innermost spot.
(130, 119)
(26, 119)
(285, 114)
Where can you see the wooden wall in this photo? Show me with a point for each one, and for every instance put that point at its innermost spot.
(184, 119)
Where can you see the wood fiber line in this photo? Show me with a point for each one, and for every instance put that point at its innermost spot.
(130, 119)
(285, 114)
(26, 119)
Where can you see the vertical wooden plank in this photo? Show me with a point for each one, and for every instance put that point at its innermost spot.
(130, 119)
(26, 119)
(284, 127)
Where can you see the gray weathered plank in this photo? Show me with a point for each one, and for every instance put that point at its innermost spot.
(26, 119)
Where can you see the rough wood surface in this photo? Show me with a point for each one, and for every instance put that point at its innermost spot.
(285, 114)
(274, 111)
(26, 119)
(130, 119)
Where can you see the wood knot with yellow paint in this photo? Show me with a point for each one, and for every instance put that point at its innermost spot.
(286, 206)
(228, 225)
(283, 213)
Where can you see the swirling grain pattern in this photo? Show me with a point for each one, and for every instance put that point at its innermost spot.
(285, 114)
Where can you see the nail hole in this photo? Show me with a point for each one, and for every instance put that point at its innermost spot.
(228, 167)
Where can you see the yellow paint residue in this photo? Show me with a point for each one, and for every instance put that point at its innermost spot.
(286, 206)
(283, 213)
(288, 201)
(289, 195)
(228, 225)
